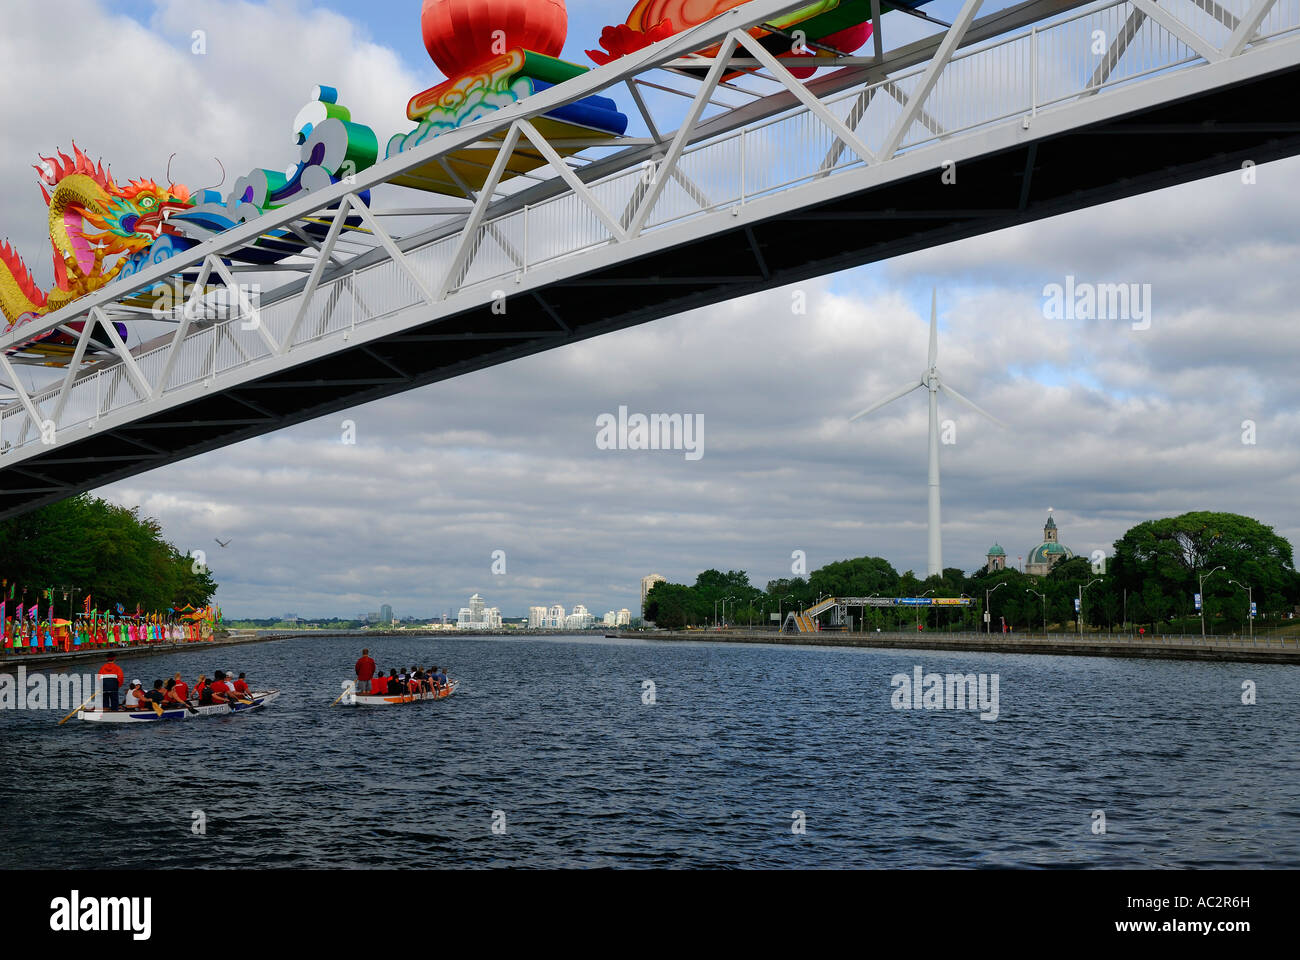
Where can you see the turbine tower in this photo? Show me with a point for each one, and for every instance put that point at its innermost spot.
(933, 382)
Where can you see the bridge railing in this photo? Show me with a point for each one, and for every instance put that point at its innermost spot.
(1020, 75)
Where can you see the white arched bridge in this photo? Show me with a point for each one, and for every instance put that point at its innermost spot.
(1040, 108)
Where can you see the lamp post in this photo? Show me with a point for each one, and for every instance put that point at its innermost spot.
(780, 620)
(1078, 612)
(918, 610)
(988, 619)
(964, 596)
(1043, 597)
(1204, 577)
(1250, 598)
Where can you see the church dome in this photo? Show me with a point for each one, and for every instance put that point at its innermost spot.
(1046, 551)
(996, 551)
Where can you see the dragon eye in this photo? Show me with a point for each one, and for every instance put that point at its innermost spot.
(147, 202)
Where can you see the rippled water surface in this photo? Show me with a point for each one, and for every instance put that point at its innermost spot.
(553, 733)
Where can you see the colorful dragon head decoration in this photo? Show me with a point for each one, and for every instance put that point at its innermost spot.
(92, 219)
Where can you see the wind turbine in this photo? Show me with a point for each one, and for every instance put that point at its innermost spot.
(932, 381)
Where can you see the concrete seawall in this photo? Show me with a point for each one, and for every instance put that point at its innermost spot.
(1260, 650)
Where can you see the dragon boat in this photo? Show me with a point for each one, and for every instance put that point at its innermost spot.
(147, 715)
(354, 699)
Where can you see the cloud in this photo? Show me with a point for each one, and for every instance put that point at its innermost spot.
(1107, 424)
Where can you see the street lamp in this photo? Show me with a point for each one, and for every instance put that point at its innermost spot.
(987, 618)
(1078, 611)
(1250, 598)
(780, 621)
(724, 608)
(1043, 597)
(1204, 577)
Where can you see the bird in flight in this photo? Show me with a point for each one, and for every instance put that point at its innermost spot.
(223, 545)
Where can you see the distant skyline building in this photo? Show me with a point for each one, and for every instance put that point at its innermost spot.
(478, 616)
(580, 619)
(624, 618)
(536, 618)
(385, 614)
(647, 584)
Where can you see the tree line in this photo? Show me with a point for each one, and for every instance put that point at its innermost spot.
(102, 550)
(1148, 580)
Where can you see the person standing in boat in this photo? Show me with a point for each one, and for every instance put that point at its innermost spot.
(365, 672)
(111, 680)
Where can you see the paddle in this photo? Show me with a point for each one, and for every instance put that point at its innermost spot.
(348, 687)
(78, 710)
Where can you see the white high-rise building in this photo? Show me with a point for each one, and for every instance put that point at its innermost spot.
(555, 617)
(611, 619)
(477, 616)
(624, 618)
(647, 584)
(536, 617)
(580, 619)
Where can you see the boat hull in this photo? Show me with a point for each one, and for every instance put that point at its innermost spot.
(375, 700)
(260, 699)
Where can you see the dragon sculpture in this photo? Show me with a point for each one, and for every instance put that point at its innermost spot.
(92, 220)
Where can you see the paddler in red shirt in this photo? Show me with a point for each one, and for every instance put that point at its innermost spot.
(241, 687)
(177, 690)
(365, 672)
(220, 690)
(112, 682)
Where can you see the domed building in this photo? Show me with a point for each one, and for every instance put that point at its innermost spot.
(997, 558)
(1047, 554)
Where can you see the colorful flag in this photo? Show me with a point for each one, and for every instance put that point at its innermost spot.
(120, 610)
(87, 604)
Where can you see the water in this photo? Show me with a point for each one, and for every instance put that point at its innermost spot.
(554, 735)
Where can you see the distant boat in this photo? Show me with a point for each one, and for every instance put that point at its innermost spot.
(259, 700)
(385, 700)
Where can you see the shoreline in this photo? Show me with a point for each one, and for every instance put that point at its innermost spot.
(1239, 650)
(44, 660)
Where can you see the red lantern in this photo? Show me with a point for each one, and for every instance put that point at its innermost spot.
(461, 34)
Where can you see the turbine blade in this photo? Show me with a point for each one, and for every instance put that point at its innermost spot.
(970, 403)
(934, 329)
(889, 399)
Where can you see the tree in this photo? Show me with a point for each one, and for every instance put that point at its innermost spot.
(104, 550)
(1166, 558)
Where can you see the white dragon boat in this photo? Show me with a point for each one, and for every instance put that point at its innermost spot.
(256, 701)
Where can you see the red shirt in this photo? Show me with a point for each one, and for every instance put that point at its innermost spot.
(241, 686)
(219, 686)
(181, 689)
(112, 669)
(365, 668)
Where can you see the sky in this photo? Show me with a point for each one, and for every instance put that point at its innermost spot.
(1106, 424)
